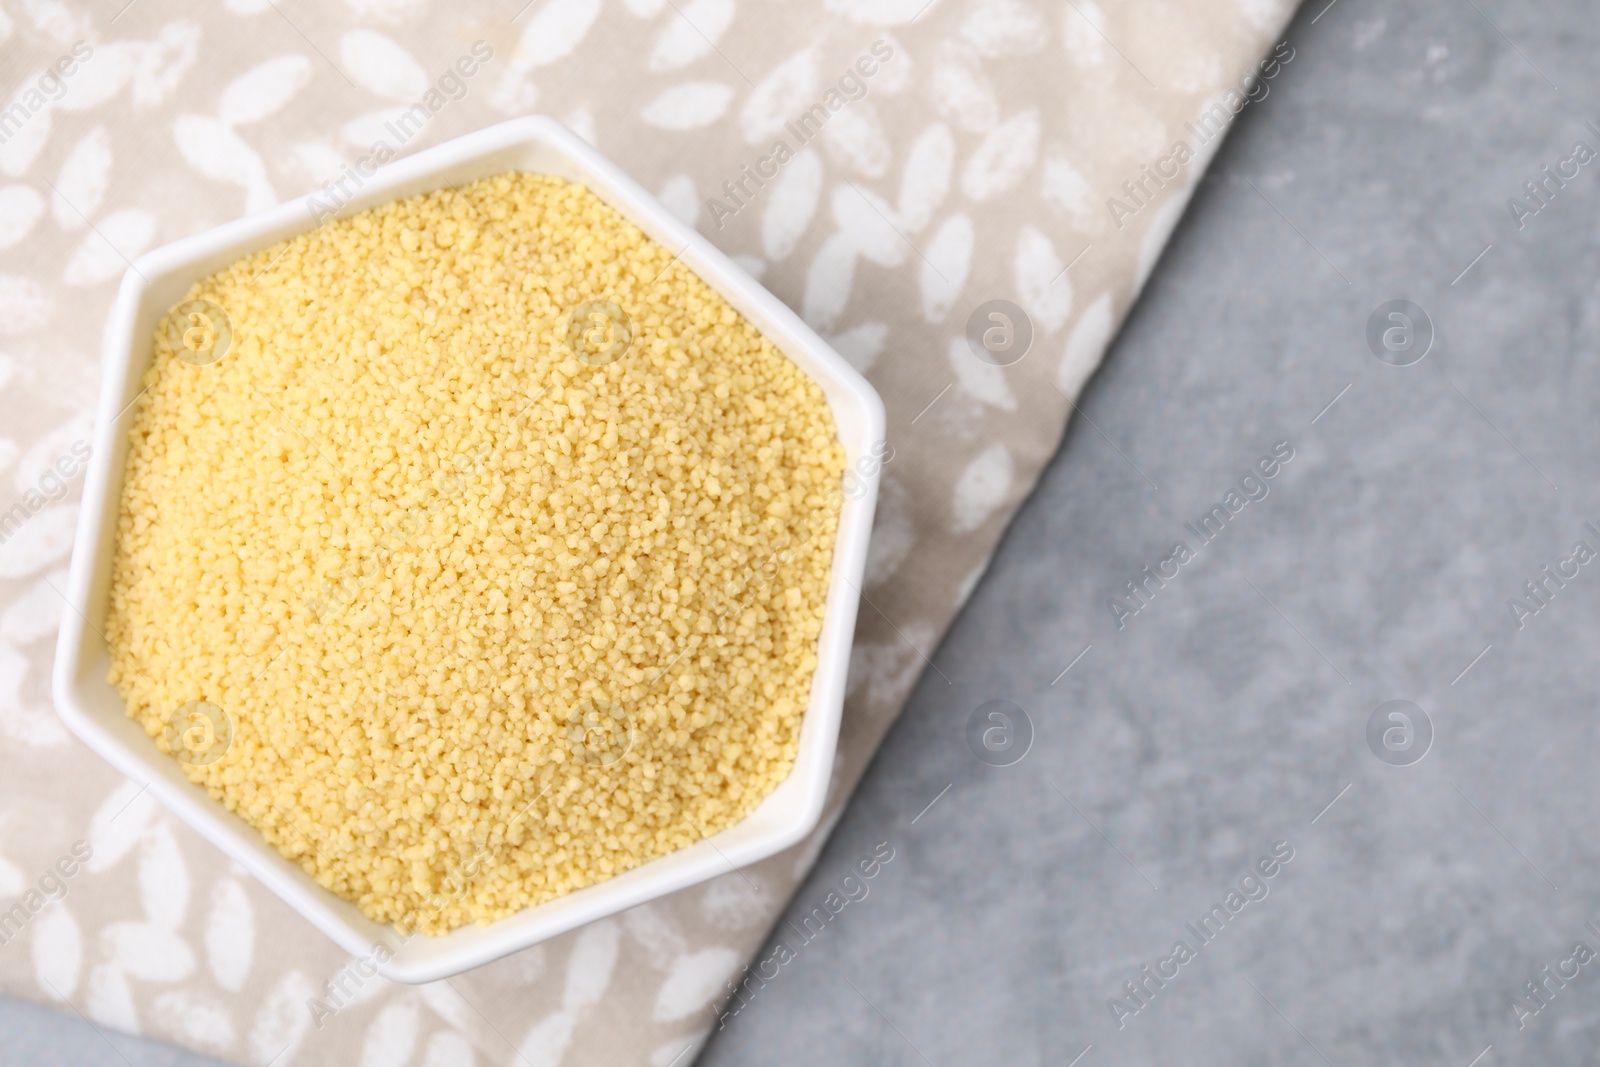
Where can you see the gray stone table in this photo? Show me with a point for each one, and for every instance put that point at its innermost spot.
(1230, 714)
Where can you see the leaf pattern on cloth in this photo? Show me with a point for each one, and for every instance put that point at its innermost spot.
(230, 934)
(973, 165)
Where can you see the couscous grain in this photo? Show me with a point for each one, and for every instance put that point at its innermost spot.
(492, 541)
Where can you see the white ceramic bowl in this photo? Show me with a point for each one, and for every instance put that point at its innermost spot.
(95, 712)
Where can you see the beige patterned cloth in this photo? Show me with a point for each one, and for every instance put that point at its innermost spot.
(1023, 150)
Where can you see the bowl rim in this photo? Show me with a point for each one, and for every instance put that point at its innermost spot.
(124, 347)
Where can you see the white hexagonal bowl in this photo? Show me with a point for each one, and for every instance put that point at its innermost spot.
(95, 712)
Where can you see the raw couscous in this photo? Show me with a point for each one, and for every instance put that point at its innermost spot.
(473, 550)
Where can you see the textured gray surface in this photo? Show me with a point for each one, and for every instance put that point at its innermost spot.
(1218, 724)
(35, 1036)
(1224, 718)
